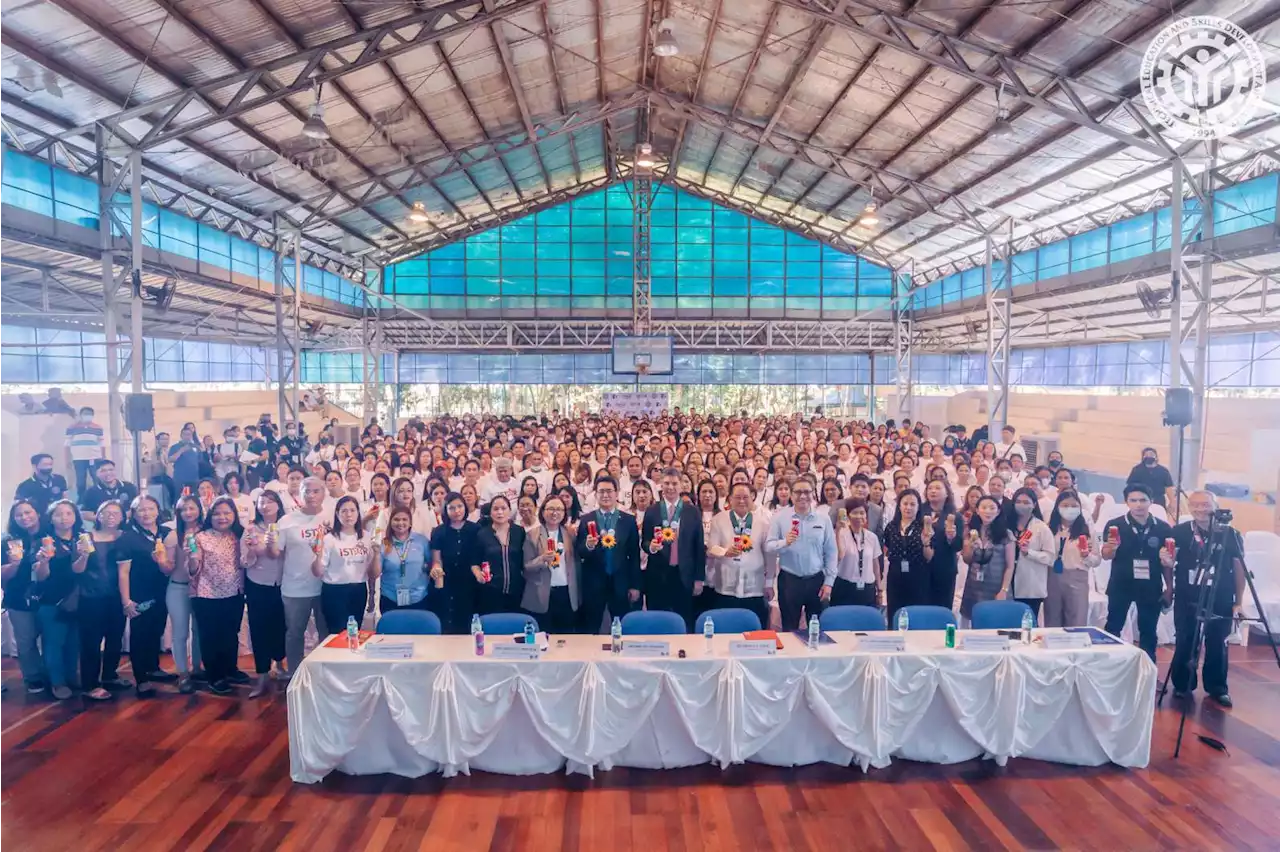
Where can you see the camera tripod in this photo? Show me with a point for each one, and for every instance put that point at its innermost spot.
(1212, 569)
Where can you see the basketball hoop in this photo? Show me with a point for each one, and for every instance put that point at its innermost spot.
(642, 369)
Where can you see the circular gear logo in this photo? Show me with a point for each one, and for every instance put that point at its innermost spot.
(1203, 77)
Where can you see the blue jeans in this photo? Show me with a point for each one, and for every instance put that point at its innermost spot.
(60, 644)
(178, 601)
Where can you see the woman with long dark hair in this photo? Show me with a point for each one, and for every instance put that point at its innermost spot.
(908, 548)
(1067, 602)
(62, 556)
(989, 553)
(100, 613)
(405, 563)
(500, 544)
(1034, 551)
(22, 540)
(948, 536)
(143, 566)
(264, 571)
(188, 519)
(345, 562)
(217, 594)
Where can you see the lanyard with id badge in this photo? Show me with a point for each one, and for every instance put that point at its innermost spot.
(1142, 567)
(861, 584)
(402, 590)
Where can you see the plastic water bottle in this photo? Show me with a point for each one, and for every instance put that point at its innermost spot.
(530, 635)
(815, 629)
(904, 621)
(1027, 622)
(477, 635)
(708, 632)
(615, 635)
(353, 634)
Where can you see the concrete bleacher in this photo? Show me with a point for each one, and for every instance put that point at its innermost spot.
(22, 436)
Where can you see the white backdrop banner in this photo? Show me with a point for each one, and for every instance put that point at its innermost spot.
(635, 403)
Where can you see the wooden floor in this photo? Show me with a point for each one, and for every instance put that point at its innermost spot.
(201, 772)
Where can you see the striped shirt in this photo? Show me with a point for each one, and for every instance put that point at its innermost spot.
(84, 440)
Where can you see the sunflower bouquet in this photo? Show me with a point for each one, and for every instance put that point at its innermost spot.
(744, 543)
(608, 540)
(668, 534)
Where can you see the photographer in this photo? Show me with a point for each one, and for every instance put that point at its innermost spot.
(1195, 546)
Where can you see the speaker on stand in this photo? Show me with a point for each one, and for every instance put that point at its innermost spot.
(1179, 412)
(139, 416)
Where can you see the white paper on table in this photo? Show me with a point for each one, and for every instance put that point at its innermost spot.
(249, 458)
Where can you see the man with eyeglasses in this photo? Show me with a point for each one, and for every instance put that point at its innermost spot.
(608, 548)
(805, 544)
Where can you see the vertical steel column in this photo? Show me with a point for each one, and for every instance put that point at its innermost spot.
(110, 180)
(135, 269)
(999, 309)
(395, 399)
(641, 242)
(1176, 185)
(903, 338)
(283, 367)
(871, 395)
(297, 318)
(366, 364)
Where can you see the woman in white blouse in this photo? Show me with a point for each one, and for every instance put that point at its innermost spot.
(1034, 549)
(858, 557)
(1067, 602)
(345, 561)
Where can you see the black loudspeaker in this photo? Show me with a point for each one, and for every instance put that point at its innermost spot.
(1178, 407)
(139, 413)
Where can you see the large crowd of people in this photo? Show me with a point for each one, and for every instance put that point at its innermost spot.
(574, 519)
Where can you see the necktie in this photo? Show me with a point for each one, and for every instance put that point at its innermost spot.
(606, 526)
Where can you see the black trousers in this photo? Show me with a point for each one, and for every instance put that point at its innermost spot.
(145, 631)
(101, 637)
(490, 599)
(1216, 631)
(757, 604)
(219, 623)
(667, 592)
(596, 598)
(942, 585)
(1119, 597)
(844, 593)
(340, 601)
(796, 594)
(266, 624)
(1035, 604)
(560, 616)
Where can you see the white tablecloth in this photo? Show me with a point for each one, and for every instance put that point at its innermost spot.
(446, 710)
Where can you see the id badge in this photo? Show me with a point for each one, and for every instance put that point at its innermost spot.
(979, 575)
(402, 597)
(1141, 569)
(906, 567)
(1191, 576)
(861, 585)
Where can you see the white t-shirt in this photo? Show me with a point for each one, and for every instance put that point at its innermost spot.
(244, 508)
(492, 488)
(298, 531)
(346, 558)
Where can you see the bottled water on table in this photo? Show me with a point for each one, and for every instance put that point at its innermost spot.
(708, 632)
(815, 630)
(353, 634)
(1027, 622)
(615, 635)
(530, 635)
(477, 635)
(904, 621)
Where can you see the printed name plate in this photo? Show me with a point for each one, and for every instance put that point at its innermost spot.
(753, 648)
(645, 648)
(1066, 641)
(516, 652)
(881, 643)
(984, 642)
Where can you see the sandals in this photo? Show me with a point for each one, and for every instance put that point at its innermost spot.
(98, 694)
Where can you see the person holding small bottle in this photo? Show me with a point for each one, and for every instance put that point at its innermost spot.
(344, 561)
(404, 572)
(188, 519)
(21, 542)
(217, 594)
(1067, 601)
(500, 547)
(63, 555)
(453, 545)
(143, 567)
(100, 613)
(264, 570)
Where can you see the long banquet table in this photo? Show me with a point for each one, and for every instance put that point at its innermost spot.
(581, 708)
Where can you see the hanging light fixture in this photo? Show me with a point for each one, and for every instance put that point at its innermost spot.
(665, 44)
(1003, 128)
(418, 214)
(644, 156)
(869, 218)
(314, 127)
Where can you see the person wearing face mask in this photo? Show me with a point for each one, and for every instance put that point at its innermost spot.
(85, 445)
(1133, 543)
(534, 466)
(43, 487)
(1194, 549)
(293, 446)
(1153, 476)
(1066, 603)
(1034, 551)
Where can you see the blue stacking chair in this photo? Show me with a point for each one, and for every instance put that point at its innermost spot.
(851, 618)
(730, 620)
(652, 623)
(1000, 615)
(414, 622)
(511, 623)
(929, 617)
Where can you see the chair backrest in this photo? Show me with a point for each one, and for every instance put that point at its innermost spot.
(497, 623)
(654, 622)
(923, 617)
(851, 618)
(730, 620)
(999, 615)
(1160, 512)
(410, 622)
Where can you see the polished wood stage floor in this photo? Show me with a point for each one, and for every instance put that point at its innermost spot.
(202, 772)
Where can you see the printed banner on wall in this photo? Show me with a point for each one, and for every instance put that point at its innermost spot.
(635, 403)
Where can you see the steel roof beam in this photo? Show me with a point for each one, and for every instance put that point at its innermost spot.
(677, 150)
(509, 72)
(562, 102)
(742, 90)
(902, 33)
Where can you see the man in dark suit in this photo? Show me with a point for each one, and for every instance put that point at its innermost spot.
(610, 575)
(677, 568)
